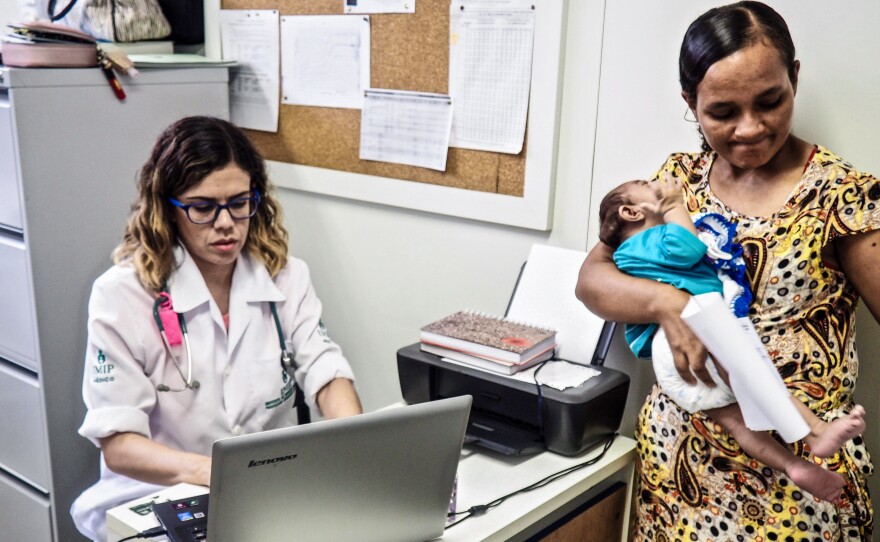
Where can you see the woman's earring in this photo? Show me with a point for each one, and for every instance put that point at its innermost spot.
(692, 117)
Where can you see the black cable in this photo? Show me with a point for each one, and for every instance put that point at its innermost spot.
(51, 10)
(149, 533)
(480, 509)
(540, 399)
(541, 394)
(456, 522)
(113, 21)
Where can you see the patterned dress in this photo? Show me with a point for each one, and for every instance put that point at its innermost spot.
(695, 483)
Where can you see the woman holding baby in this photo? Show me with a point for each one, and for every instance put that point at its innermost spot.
(809, 224)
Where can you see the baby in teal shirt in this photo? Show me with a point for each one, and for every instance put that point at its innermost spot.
(654, 237)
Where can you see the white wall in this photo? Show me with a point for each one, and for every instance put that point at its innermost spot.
(8, 11)
(640, 118)
(17, 10)
(383, 272)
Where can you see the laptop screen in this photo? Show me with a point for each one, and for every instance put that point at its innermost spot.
(384, 476)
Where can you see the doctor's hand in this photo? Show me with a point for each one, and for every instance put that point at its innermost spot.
(688, 353)
(140, 458)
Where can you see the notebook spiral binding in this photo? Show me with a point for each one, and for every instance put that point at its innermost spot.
(490, 316)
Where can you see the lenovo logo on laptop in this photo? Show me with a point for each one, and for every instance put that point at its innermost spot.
(262, 462)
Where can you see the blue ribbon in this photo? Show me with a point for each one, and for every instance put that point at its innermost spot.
(724, 231)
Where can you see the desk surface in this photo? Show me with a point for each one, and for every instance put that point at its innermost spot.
(484, 476)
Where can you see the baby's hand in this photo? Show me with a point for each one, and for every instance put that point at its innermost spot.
(668, 190)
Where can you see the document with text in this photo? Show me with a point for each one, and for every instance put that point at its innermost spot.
(490, 69)
(406, 128)
(250, 37)
(325, 60)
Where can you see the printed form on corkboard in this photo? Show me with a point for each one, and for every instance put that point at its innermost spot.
(408, 52)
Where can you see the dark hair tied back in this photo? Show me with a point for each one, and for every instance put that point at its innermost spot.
(724, 30)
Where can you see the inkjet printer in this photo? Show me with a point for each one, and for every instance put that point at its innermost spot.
(516, 417)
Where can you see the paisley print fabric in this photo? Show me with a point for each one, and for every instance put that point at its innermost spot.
(695, 483)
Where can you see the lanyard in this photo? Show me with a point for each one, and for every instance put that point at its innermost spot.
(287, 361)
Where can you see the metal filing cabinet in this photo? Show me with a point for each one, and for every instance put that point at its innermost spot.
(69, 156)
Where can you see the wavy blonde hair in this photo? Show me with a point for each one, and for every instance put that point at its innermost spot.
(184, 154)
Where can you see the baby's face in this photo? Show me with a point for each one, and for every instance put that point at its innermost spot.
(645, 196)
(642, 193)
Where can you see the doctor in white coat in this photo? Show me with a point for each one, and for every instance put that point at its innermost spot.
(204, 260)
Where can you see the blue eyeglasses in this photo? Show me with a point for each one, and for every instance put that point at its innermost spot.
(207, 212)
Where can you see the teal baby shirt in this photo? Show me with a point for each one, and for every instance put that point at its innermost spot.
(671, 254)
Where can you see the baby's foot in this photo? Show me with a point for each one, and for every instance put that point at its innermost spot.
(819, 482)
(827, 438)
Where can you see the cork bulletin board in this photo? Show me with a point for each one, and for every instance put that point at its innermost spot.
(316, 148)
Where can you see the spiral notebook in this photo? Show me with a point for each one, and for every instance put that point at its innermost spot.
(492, 342)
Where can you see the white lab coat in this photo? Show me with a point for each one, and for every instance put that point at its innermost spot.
(242, 386)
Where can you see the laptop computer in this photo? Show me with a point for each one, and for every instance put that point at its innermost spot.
(384, 476)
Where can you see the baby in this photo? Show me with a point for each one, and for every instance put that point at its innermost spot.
(653, 237)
